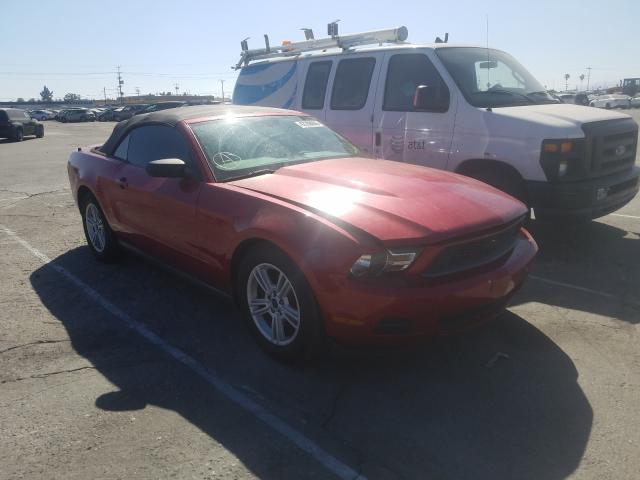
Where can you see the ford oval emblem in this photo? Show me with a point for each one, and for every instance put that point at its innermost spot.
(620, 150)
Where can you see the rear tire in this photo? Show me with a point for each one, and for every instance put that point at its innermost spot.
(100, 238)
(278, 293)
(19, 135)
(40, 131)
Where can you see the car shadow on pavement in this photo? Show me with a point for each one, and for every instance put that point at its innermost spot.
(501, 401)
(592, 256)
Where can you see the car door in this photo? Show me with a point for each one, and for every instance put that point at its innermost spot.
(29, 124)
(352, 99)
(403, 133)
(156, 214)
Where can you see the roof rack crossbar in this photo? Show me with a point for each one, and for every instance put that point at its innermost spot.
(287, 49)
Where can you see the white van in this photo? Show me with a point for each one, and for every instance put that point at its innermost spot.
(471, 110)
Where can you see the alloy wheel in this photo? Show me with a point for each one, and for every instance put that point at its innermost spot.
(95, 227)
(273, 304)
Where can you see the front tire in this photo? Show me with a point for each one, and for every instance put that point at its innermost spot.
(19, 135)
(100, 238)
(278, 304)
(40, 131)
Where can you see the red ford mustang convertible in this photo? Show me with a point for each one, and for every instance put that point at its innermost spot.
(309, 237)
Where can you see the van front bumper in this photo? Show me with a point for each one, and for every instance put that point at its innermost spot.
(586, 199)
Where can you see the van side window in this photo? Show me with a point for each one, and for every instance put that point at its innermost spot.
(406, 72)
(315, 86)
(351, 85)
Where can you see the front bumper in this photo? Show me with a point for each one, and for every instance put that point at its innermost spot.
(584, 200)
(358, 313)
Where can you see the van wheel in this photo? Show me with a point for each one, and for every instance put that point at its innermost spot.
(19, 135)
(40, 131)
(100, 238)
(278, 304)
(501, 179)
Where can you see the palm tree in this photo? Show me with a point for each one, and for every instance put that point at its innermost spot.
(581, 77)
(566, 81)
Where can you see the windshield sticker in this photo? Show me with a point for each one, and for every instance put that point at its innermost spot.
(308, 124)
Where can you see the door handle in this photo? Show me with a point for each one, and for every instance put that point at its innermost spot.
(122, 182)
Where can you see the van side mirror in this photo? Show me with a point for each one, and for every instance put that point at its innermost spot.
(431, 99)
(167, 168)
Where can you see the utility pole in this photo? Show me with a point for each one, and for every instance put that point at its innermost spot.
(222, 83)
(588, 77)
(104, 91)
(120, 82)
(177, 87)
(138, 91)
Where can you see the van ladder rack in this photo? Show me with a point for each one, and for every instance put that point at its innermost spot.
(288, 49)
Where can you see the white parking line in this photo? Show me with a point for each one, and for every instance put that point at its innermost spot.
(334, 465)
(625, 216)
(583, 289)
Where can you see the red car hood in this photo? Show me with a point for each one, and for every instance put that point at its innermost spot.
(389, 200)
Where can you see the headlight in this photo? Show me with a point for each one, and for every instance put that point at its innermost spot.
(562, 158)
(393, 260)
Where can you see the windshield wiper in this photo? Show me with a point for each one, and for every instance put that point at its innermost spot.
(507, 92)
(255, 173)
(549, 98)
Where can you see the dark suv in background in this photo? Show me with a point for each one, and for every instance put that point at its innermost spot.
(15, 124)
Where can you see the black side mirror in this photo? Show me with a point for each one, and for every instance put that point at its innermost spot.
(431, 99)
(167, 168)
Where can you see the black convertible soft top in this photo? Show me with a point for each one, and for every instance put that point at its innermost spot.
(174, 115)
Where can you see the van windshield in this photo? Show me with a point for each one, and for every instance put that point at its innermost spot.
(491, 78)
(240, 147)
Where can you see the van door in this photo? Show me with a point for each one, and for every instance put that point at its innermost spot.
(352, 99)
(403, 133)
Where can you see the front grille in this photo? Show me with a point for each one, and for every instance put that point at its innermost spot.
(612, 145)
(474, 253)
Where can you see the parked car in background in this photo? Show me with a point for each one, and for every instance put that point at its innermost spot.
(128, 111)
(312, 240)
(613, 100)
(579, 98)
(41, 114)
(635, 101)
(77, 114)
(15, 124)
(156, 107)
(108, 114)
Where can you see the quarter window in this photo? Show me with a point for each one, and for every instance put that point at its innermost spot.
(406, 72)
(351, 85)
(121, 151)
(315, 86)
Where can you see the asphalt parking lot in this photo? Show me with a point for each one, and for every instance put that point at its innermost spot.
(127, 371)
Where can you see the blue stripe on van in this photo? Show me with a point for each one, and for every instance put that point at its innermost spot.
(250, 94)
(253, 69)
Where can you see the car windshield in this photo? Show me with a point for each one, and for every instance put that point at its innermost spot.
(491, 78)
(246, 146)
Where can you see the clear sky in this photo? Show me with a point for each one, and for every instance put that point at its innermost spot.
(76, 45)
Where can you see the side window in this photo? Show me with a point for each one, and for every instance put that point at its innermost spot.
(121, 151)
(406, 72)
(155, 142)
(26, 115)
(351, 85)
(315, 86)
